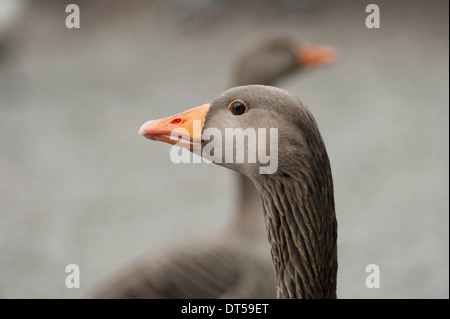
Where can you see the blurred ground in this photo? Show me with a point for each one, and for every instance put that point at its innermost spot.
(77, 185)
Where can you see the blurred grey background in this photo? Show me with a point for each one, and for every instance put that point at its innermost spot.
(77, 185)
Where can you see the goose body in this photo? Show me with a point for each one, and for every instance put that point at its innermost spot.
(297, 199)
(224, 267)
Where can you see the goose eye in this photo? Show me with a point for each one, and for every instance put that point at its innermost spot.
(237, 107)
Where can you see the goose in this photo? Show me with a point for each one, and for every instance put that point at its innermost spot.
(235, 263)
(297, 197)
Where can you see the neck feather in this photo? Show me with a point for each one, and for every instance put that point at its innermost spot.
(302, 229)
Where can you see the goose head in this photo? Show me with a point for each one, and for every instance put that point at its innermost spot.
(263, 60)
(273, 124)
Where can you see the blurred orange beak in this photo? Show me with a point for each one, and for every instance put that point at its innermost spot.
(183, 129)
(308, 54)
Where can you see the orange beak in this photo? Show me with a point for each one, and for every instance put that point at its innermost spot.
(183, 129)
(308, 54)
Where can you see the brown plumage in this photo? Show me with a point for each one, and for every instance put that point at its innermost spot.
(236, 263)
(222, 267)
(298, 200)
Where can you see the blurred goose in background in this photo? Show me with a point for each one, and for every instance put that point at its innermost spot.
(236, 262)
(298, 200)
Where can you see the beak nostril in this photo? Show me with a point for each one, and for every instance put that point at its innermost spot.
(175, 121)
